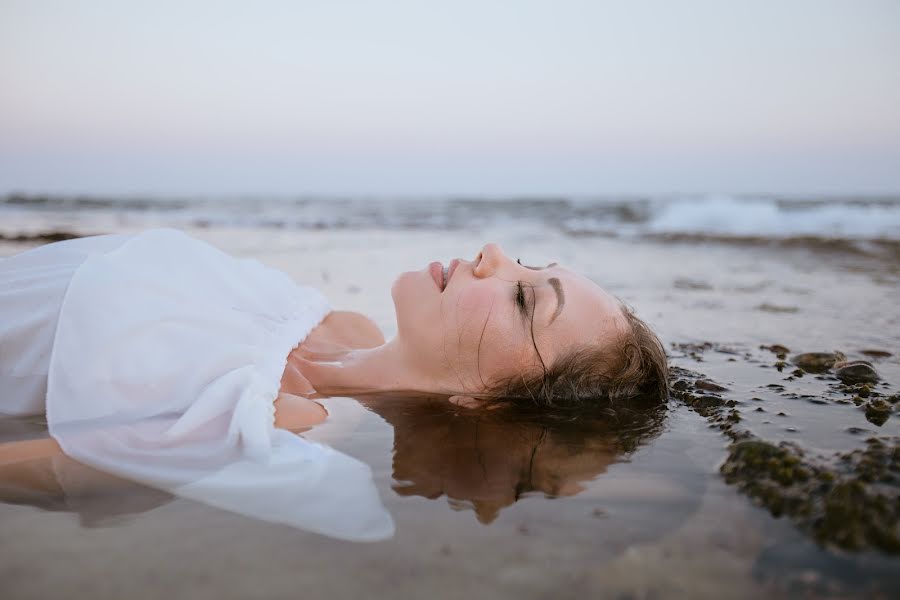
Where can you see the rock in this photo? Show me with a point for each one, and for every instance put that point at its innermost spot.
(855, 371)
(876, 353)
(777, 349)
(852, 507)
(707, 402)
(681, 385)
(817, 362)
(709, 386)
(776, 308)
(877, 412)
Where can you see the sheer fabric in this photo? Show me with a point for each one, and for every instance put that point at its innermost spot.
(159, 358)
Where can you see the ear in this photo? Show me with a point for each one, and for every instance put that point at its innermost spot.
(466, 401)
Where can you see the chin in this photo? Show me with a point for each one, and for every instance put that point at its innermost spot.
(407, 288)
(408, 292)
(403, 285)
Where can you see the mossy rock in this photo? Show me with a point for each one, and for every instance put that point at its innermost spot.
(853, 505)
(878, 411)
(856, 371)
(817, 362)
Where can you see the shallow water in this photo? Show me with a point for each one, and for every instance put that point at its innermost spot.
(522, 509)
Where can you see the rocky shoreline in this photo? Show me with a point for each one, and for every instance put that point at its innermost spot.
(845, 500)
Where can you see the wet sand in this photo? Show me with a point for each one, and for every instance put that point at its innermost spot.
(654, 520)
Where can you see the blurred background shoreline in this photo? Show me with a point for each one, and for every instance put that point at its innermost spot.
(769, 215)
(860, 225)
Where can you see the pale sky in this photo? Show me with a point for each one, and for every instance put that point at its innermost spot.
(449, 97)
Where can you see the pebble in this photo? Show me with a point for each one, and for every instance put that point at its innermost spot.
(817, 362)
(877, 412)
(709, 386)
(876, 353)
(856, 371)
(777, 349)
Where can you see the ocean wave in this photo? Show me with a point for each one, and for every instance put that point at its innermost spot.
(779, 218)
(661, 217)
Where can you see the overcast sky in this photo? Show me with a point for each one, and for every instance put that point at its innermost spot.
(458, 97)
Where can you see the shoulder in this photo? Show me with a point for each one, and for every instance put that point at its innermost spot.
(353, 329)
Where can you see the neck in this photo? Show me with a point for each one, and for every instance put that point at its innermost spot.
(349, 372)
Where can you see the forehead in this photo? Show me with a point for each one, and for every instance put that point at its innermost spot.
(590, 315)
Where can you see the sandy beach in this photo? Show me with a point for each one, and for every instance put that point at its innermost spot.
(649, 514)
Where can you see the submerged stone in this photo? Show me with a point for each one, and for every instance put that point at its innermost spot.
(847, 500)
(877, 411)
(844, 506)
(708, 401)
(856, 371)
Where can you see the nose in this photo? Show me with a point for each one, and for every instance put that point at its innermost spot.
(489, 260)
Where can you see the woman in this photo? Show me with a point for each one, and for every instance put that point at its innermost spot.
(489, 330)
(159, 358)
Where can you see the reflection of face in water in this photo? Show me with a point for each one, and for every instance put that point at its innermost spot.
(487, 460)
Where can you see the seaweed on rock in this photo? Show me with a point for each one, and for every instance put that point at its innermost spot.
(848, 500)
(852, 504)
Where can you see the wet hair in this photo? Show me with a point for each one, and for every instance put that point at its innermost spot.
(628, 373)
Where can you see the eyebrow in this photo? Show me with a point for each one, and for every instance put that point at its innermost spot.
(553, 264)
(560, 297)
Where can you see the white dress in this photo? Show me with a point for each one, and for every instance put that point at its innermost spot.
(157, 357)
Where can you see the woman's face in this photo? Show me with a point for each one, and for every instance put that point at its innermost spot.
(494, 318)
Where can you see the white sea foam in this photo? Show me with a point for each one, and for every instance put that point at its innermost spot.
(719, 216)
(765, 217)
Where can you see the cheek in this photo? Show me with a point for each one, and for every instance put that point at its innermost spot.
(466, 313)
(475, 336)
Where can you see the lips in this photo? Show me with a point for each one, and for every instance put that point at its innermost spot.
(436, 270)
(453, 264)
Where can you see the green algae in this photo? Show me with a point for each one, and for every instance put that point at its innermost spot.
(848, 501)
(852, 503)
